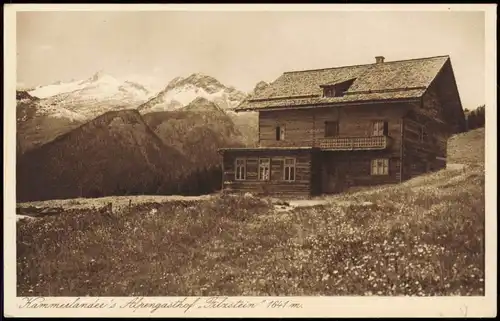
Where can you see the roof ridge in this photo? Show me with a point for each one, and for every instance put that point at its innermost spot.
(360, 65)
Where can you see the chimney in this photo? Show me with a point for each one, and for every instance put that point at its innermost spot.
(379, 59)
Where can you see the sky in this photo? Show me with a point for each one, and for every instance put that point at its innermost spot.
(242, 48)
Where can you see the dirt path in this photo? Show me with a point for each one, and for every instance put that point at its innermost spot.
(22, 217)
(454, 166)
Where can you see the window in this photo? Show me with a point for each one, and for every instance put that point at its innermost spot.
(289, 169)
(241, 170)
(280, 132)
(329, 92)
(380, 128)
(380, 167)
(331, 128)
(423, 135)
(264, 165)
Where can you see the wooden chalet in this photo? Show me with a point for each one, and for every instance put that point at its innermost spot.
(322, 131)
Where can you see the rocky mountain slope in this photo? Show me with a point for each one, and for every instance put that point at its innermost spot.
(38, 123)
(196, 130)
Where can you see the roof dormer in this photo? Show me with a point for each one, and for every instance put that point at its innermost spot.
(336, 89)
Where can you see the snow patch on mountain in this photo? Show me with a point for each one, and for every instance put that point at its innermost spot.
(181, 97)
(56, 88)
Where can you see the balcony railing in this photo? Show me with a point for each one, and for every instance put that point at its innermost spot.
(354, 143)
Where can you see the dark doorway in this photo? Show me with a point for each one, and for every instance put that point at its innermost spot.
(333, 174)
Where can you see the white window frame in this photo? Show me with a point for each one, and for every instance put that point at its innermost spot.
(281, 133)
(287, 168)
(379, 166)
(240, 169)
(264, 166)
(378, 128)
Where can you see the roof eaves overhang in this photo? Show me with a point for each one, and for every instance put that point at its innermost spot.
(332, 104)
(264, 149)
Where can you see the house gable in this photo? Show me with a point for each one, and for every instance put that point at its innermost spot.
(442, 100)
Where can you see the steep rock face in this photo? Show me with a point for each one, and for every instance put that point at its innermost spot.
(180, 92)
(114, 154)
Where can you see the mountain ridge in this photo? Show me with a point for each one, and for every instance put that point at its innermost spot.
(115, 153)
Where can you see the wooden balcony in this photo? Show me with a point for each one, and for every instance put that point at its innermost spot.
(354, 143)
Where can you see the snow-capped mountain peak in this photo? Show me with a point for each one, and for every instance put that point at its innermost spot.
(100, 78)
(105, 78)
(181, 91)
(92, 96)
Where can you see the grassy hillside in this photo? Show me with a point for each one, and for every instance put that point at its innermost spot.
(467, 148)
(423, 237)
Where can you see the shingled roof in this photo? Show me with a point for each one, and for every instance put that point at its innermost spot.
(392, 80)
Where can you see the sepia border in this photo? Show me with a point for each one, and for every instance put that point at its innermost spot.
(311, 306)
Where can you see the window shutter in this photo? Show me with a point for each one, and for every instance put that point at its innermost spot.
(386, 128)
